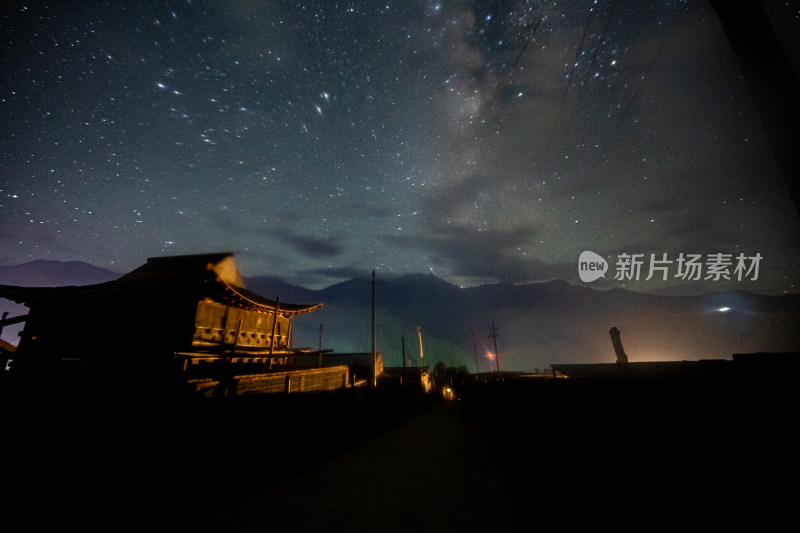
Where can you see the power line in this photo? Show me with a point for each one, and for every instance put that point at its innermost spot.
(569, 84)
(652, 63)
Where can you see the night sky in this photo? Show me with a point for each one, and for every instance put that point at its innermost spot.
(480, 141)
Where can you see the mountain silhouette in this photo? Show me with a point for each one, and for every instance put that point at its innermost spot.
(537, 324)
(46, 273)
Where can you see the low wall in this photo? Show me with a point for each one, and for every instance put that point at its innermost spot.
(316, 379)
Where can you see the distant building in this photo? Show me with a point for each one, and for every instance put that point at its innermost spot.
(188, 317)
(411, 376)
(742, 365)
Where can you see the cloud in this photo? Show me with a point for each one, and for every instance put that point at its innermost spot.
(310, 246)
(472, 254)
(341, 273)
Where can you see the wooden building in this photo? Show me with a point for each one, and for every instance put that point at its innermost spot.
(185, 317)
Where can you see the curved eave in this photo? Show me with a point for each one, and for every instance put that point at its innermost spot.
(101, 291)
(240, 297)
(28, 295)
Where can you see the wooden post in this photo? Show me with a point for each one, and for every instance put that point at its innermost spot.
(274, 323)
(421, 356)
(238, 334)
(320, 345)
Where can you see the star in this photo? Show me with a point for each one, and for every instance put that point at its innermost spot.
(418, 136)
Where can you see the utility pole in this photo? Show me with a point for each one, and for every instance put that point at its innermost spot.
(475, 349)
(421, 357)
(493, 335)
(403, 377)
(374, 362)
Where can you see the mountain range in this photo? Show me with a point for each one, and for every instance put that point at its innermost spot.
(536, 324)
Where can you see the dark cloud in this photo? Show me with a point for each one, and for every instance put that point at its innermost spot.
(469, 253)
(314, 247)
(320, 278)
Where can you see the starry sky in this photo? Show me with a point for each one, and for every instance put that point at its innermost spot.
(480, 141)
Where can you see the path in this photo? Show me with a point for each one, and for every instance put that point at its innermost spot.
(431, 473)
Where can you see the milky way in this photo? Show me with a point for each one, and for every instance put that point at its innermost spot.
(479, 141)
